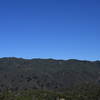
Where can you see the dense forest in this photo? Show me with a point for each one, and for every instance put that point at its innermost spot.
(49, 79)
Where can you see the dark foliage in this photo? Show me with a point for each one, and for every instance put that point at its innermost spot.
(46, 74)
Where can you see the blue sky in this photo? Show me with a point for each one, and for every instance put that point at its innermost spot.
(59, 29)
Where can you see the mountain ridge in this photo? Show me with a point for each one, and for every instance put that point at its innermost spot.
(49, 74)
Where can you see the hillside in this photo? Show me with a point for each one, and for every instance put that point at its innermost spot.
(46, 74)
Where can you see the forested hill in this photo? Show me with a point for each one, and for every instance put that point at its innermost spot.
(49, 74)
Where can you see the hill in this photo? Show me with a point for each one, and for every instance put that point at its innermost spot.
(47, 74)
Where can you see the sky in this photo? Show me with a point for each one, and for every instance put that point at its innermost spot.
(58, 29)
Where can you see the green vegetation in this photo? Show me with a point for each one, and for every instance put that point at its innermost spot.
(79, 93)
(49, 79)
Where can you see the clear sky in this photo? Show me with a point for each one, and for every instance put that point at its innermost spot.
(59, 29)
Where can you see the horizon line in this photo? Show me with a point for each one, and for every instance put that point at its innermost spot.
(32, 58)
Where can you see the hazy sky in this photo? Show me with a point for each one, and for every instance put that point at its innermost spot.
(60, 29)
